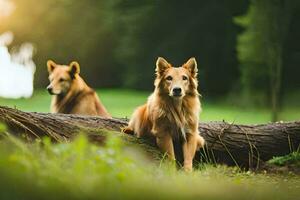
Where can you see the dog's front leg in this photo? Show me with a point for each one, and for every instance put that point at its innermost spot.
(189, 150)
(165, 144)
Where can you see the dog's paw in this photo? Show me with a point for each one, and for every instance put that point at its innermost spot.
(188, 168)
(127, 130)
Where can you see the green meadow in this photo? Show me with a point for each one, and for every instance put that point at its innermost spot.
(121, 103)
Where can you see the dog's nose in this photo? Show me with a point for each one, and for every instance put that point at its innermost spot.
(49, 88)
(177, 91)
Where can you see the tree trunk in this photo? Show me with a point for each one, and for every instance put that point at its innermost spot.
(241, 145)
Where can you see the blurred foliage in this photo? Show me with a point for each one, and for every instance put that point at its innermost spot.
(177, 31)
(81, 170)
(263, 48)
(66, 30)
(117, 41)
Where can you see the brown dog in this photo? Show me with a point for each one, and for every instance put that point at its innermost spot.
(71, 95)
(172, 110)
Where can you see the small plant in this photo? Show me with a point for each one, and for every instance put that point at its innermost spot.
(2, 128)
(290, 159)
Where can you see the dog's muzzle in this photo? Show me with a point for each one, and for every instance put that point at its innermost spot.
(177, 92)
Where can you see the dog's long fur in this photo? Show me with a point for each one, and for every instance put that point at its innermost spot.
(166, 115)
(71, 95)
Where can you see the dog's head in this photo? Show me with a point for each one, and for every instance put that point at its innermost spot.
(61, 77)
(176, 82)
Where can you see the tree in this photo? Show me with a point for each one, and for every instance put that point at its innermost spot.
(261, 46)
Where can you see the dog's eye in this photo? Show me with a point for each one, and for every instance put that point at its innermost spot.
(61, 80)
(184, 78)
(169, 78)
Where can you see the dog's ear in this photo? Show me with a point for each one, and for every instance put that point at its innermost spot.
(161, 66)
(51, 65)
(191, 65)
(74, 68)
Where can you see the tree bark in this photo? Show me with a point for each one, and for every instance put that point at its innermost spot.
(246, 146)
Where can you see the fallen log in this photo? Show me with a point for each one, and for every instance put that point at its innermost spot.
(242, 145)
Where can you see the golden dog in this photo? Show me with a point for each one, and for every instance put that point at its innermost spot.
(172, 110)
(71, 95)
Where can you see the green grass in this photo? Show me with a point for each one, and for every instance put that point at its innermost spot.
(80, 170)
(39, 102)
(121, 103)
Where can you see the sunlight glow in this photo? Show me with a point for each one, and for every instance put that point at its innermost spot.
(17, 69)
(6, 8)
